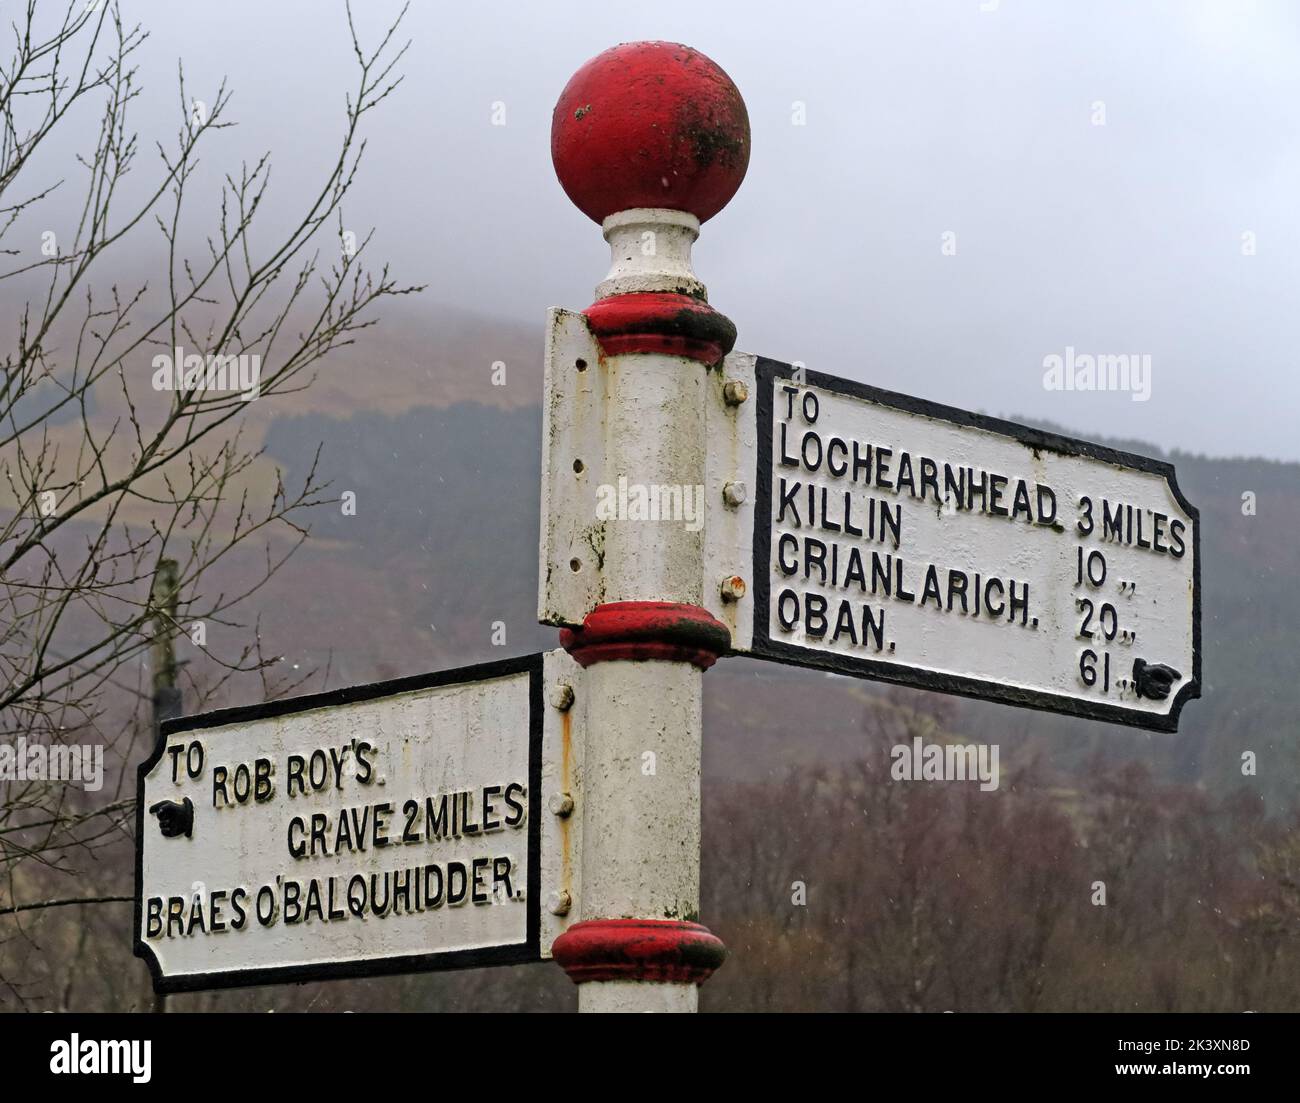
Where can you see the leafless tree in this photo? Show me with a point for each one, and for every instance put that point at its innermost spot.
(112, 457)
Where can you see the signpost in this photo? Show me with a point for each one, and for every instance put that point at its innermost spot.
(695, 503)
(903, 540)
(385, 828)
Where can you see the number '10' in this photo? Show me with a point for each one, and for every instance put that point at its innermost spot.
(1096, 569)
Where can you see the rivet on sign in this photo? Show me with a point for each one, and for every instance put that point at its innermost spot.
(734, 392)
(734, 494)
(560, 902)
(562, 696)
(733, 588)
(561, 804)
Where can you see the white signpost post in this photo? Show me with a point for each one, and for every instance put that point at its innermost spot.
(385, 828)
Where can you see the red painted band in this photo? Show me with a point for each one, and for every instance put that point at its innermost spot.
(664, 630)
(661, 321)
(667, 951)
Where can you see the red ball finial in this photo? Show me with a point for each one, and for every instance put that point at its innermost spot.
(650, 124)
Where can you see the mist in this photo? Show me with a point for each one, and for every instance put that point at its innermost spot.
(942, 198)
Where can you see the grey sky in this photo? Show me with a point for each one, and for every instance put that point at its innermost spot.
(921, 119)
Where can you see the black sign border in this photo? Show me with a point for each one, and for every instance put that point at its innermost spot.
(767, 372)
(518, 953)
